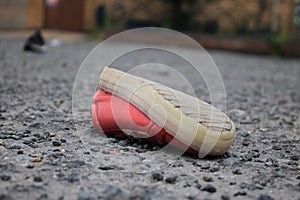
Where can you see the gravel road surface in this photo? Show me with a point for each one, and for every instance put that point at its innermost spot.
(43, 157)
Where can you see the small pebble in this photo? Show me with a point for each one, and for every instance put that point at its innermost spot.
(171, 179)
(237, 171)
(276, 147)
(157, 175)
(207, 179)
(214, 168)
(197, 163)
(29, 166)
(140, 192)
(37, 159)
(86, 196)
(225, 196)
(243, 185)
(192, 196)
(188, 184)
(5, 196)
(56, 143)
(198, 186)
(20, 152)
(106, 167)
(243, 134)
(52, 134)
(295, 157)
(112, 140)
(29, 141)
(209, 188)
(5, 176)
(114, 192)
(241, 193)
(37, 179)
(205, 166)
(156, 148)
(95, 149)
(177, 164)
(265, 197)
(43, 196)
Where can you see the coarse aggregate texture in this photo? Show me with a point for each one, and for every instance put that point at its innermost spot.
(43, 157)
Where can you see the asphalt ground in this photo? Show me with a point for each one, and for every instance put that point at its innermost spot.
(43, 156)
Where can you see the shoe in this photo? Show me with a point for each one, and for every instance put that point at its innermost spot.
(36, 43)
(129, 105)
(119, 119)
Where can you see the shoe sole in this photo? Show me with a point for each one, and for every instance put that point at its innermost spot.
(191, 121)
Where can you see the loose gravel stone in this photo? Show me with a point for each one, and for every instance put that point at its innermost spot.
(75, 163)
(43, 196)
(52, 134)
(37, 179)
(56, 143)
(207, 179)
(209, 188)
(171, 179)
(265, 197)
(157, 175)
(95, 149)
(5, 176)
(140, 192)
(30, 166)
(5, 196)
(225, 196)
(276, 147)
(36, 110)
(197, 163)
(205, 166)
(20, 152)
(114, 192)
(237, 171)
(214, 168)
(63, 140)
(241, 193)
(37, 159)
(177, 164)
(243, 134)
(295, 157)
(86, 196)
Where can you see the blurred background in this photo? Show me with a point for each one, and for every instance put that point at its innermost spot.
(268, 25)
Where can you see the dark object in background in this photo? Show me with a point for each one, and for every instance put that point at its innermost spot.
(211, 26)
(100, 15)
(135, 23)
(36, 43)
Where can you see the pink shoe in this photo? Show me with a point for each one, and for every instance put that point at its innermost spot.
(129, 104)
(112, 114)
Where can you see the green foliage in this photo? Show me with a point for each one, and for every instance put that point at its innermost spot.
(277, 42)
(97, 33)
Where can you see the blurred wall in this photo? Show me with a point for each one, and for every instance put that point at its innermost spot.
(234, 16)
(286, 16)
(13, 14)
(21, 14)
(119, 12)
(35, 13)
(90, 8)
(231, 15)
